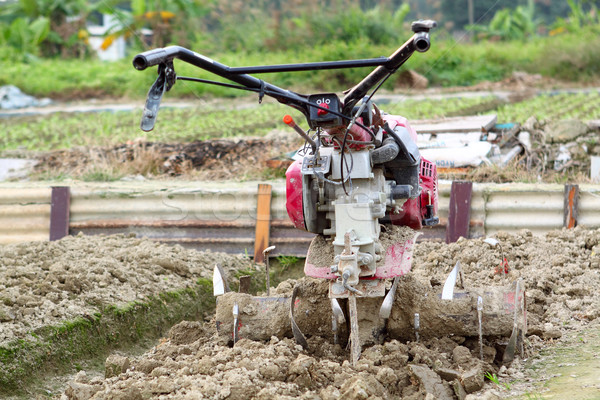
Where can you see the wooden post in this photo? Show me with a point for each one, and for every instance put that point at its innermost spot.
(459, 212)
(571, 206)
(59, 212)
(263, 222)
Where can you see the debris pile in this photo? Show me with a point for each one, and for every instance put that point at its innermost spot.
(457, 145)
(209, 159)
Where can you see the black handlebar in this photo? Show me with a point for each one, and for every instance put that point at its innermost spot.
(150, 58)
(167, 54)
(418, 42)
(385, 66)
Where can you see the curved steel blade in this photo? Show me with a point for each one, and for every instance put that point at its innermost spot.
(388, 301)
(298, 335)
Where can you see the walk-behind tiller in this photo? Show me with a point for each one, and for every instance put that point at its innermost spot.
(360, 176)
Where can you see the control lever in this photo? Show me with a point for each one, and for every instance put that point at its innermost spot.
(164, 82)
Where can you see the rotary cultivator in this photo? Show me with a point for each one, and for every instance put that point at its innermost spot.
(360, 184)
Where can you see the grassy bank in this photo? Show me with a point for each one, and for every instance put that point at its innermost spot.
(572, 57)
(59, 349)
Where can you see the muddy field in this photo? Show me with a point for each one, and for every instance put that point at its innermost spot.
(43, 283)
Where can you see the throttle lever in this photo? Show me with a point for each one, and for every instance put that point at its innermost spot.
(165, 80)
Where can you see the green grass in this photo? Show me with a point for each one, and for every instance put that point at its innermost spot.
(60, 131)
(287, 261)
(63, 131)
(573, 57)
(494, 379)
(426, 109)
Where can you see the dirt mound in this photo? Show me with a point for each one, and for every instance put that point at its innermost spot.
(559, 271)
(518, 81)
(45, 283)
(281, 369)
(209, 159)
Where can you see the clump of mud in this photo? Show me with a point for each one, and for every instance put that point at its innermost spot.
(559, 270)
(44, 283)
(279, 368)
(321, 253)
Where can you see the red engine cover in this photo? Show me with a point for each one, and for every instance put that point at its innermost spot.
(413, 210)
(293, 194)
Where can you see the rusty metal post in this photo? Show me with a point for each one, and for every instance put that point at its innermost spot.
(459, 211)
(59, 212)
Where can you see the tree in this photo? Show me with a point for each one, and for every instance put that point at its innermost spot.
(507, 24)
(164, 18)
(67, 23)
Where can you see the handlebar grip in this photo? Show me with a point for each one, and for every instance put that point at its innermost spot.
(150, 58)
(421, 41)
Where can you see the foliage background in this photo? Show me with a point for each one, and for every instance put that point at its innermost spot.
(44, 43)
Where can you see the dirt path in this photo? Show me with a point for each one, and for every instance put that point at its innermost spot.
(566, 369)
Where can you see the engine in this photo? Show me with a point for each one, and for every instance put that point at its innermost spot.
(346, 196)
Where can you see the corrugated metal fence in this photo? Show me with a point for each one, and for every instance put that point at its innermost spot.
(221, 216)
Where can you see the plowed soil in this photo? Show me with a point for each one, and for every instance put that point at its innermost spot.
(559, 271)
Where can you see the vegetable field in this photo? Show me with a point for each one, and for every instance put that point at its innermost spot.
(582, 106)
(61, 131)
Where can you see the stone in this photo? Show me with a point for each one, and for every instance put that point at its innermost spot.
(386, 376)
(6, 314)
(459, 390)
(130, 393)
(362, 387)
(81, 391)
(564, 131)
(147, 366)
(301, 364)
(461, 355)
(115, 365)
(185, 332)
(472, 380)
(488, 395)
(448, 374)
(270, 371)
(431, 382)
(551, 332)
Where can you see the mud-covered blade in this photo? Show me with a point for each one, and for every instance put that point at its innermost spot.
(236, 313)
(448, 291)
(509, 353)
(337, 312)
(298, 335)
